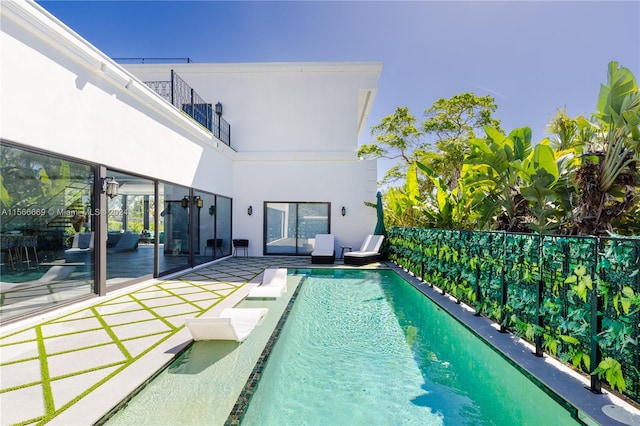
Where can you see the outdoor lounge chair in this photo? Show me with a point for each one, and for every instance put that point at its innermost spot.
(81, 247)
(128, 241)
(55, 274)
(323, 251)
(82, 242)
(232, 324)
(368, 253)
(274, 283)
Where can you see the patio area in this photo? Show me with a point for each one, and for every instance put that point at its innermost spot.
(74, 365)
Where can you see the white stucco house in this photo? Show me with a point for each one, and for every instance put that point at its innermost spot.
(295, 130)
(73, 121)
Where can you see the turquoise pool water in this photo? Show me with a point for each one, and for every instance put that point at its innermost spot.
(366, 348)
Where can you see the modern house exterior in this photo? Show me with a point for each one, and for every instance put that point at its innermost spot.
(113, 174)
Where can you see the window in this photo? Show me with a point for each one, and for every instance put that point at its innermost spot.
(291, 227)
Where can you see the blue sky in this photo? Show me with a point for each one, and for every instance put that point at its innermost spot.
(533, 57)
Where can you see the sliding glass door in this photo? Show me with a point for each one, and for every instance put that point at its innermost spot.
(174, 227)
(46, 231)
(290, 227)
(130, 229)
(212, 232)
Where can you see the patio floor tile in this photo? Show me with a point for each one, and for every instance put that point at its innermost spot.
(142, 328)
(127, 317)
(83, 360)
(67, 325)
(19, 374)
(65, 390)
(77, 340)
(26, 397)
(18, 351)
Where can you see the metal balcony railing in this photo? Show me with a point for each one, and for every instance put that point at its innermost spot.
(182, 96)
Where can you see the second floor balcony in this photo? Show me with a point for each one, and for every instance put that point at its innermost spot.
(182, 96)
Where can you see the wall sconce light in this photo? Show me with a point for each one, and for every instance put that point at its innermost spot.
(212, 210)
(184, 202)
(198, 201)
(344, 211)
(218, 109)
(250, 211)
(110, 186)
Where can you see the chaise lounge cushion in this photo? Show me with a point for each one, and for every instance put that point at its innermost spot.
(324, 249)
(232, 324)
(128, 241)
(274, 283)
(369, 251)
(81, 247)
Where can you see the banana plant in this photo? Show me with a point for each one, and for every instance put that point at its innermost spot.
(403, 205)
(447, 206)
(517, 186)
(493, 172)
(539, 173)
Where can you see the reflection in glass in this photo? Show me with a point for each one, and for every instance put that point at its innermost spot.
(130, 229)
(47, 230)
(212, 227)
(223, 224)
(174, 228)
(291, 227)
(206, 246)
(313, 218)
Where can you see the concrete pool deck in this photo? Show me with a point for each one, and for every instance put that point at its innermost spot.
(73, 366)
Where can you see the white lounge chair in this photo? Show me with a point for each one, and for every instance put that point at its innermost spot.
(368, 253)
(232, 324)
(274, 283)
(324, 251)
(55, 274)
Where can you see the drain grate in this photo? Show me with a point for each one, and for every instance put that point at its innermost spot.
(622, 415)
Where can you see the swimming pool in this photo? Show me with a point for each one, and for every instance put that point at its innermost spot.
(359, 347)
(368, 348)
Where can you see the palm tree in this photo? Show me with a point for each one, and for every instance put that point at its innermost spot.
(608, 178)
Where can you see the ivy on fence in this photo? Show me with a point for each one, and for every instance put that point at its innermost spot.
(575, 298)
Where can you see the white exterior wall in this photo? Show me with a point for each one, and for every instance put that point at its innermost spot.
(60, 94)
(294, 127)
(347, 184)
(276, 108)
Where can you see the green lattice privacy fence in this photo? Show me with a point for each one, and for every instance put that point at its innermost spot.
(576, 298)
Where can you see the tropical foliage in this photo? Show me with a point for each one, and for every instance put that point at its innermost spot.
(440, 141)
(608, 178)
(469, 174)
